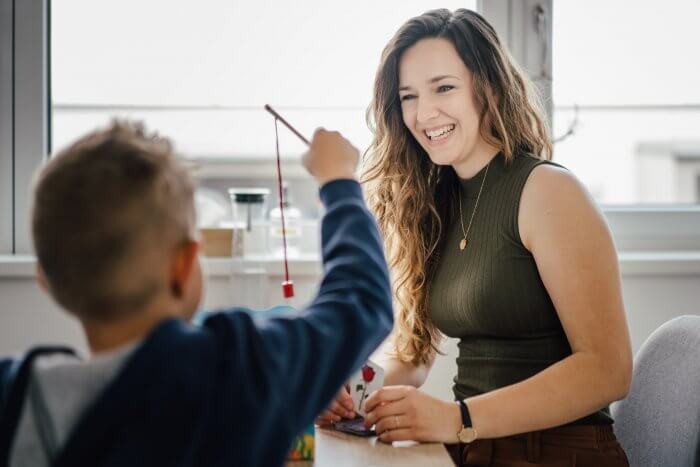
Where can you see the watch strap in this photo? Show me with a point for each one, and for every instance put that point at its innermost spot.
(466, 419)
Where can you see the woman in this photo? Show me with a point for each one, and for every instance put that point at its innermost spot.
(492, 244)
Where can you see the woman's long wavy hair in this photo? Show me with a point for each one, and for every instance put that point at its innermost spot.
(412, 197)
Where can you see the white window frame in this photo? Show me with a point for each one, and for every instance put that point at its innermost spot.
(25, 111)
(24, 123)
(635, 228)
(6, 137)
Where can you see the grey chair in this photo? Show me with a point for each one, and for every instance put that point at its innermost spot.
(658, 423)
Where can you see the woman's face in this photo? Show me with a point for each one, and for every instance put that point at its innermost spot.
(437, 101)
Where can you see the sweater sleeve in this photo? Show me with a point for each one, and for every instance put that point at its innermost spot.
(294, 364)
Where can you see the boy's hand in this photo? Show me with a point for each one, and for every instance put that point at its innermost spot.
(330, 157)
(340, 408)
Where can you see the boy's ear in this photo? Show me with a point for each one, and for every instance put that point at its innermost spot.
(41, 278)
(183, 266)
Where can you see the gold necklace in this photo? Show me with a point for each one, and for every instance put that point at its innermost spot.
(463, 242)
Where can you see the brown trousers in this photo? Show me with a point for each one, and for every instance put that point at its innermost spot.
(569, 446)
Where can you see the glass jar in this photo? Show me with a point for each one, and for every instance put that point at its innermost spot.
(248, 206)
(292, 224)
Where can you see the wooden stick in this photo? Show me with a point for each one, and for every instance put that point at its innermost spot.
(291, 128)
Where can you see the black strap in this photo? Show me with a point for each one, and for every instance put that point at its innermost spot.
(7, 369)
(18, 381)
(466, 419)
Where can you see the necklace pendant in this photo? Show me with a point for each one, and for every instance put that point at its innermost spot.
(463, 244)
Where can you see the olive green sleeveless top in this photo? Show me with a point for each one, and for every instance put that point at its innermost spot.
(490, 295)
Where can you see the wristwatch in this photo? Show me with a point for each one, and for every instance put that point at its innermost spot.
(468, 433)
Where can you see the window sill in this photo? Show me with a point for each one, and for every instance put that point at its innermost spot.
(24, 266)
(632, 263)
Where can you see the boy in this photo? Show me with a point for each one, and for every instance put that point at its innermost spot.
(114, 231)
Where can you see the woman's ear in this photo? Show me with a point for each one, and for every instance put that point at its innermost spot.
(183, 267)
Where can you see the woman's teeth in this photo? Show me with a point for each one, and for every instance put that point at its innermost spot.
(439, 133)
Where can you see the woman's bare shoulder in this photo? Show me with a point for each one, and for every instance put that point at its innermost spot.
(553, 195)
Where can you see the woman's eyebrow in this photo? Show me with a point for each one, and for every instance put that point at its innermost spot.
(431, 81)
(440, 78)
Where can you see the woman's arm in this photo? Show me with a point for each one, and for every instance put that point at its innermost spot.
(576, 258)
(572, 246)
(397, 372)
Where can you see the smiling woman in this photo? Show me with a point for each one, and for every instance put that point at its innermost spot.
(543, 342)
(432, 77)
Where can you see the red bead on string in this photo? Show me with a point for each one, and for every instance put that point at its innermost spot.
(287, 285)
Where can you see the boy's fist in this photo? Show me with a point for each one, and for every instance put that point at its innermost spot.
(330, 157)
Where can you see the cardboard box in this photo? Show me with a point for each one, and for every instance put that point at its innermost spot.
(217, 241)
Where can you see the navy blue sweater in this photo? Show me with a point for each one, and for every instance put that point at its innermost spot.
(237, 390)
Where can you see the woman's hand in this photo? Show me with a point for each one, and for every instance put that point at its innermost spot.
(405, 413)
(341, 407)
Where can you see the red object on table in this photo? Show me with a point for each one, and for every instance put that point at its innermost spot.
(367, 373)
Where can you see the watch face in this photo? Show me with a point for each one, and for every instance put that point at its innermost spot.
(467, 434)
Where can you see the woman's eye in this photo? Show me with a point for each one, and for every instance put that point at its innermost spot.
(407, 97)
(445, 88)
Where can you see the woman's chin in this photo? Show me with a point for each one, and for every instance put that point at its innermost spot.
(442, 159)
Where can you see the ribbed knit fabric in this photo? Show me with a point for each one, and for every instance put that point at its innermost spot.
(491, 295)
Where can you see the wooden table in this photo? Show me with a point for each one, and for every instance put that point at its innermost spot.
(336, 449)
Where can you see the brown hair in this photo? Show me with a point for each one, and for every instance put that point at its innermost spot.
(412, 197)
(108, 210)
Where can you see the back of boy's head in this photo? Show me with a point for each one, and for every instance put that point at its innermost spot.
(109, 212)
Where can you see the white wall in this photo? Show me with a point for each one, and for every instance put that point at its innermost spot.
(28, 317)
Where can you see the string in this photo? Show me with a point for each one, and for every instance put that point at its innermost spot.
(287, 285)
(281, 196)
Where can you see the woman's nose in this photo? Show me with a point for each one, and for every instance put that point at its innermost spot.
(426, 110)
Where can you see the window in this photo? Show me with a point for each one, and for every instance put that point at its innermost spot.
(201, 72)
(626, 86)
(23, 114)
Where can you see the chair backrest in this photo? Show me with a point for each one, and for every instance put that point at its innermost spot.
(658, 423)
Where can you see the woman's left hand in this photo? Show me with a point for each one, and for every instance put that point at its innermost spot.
(405, 413)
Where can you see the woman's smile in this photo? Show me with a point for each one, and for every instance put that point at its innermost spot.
(439, 135)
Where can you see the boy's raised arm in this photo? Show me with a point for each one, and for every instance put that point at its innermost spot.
(296, 363)
(5, 367)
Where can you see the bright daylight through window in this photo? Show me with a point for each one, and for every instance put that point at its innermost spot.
(626, 89)
(202, 71)
(626, 104)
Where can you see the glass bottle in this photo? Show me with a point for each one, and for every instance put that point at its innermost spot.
(292, 221)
